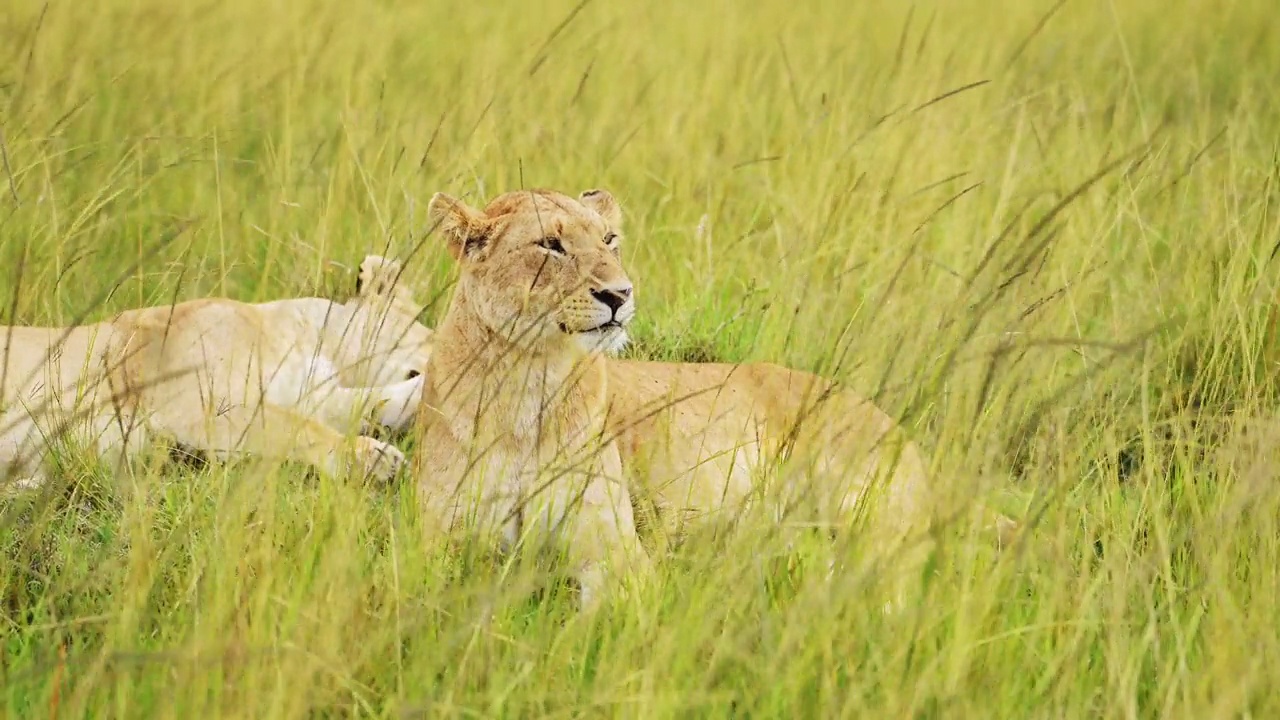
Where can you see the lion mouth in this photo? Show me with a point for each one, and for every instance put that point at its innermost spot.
(602, 327)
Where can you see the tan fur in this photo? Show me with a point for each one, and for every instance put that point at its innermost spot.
(513, 388)
(706, 432)
(289, 379)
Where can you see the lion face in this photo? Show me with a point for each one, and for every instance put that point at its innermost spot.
(538, 266)
(395, 345)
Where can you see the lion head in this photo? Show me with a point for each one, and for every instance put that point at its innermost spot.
(383, 323)
(538, 266)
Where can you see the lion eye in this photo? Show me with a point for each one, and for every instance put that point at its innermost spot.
(611, 239)
(552, 244)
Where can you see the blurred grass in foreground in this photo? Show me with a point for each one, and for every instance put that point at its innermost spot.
(1042, 234)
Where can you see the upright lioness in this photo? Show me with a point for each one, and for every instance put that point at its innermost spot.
(288, 379)
(519, 382)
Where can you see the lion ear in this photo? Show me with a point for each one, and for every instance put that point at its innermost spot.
(602, 202)
(463, 227)
(377, 275)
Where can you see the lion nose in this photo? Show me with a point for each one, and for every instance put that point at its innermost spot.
(614, 297)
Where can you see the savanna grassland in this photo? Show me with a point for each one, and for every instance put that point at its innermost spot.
(1042, 235)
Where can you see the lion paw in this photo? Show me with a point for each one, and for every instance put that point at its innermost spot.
(379, 460)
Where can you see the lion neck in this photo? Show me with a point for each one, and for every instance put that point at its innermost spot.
(529, 392)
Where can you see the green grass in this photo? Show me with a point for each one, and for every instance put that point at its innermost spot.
(1040, 234)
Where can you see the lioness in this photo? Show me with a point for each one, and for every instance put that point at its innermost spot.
(288, 379)
(519, 381)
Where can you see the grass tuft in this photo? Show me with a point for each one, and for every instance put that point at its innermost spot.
(1042, 234)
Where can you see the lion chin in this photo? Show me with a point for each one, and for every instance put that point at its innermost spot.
(608, 340)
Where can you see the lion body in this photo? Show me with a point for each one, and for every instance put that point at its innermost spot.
(521, 400)
(704, 442)
(514, 403)
(286, 379)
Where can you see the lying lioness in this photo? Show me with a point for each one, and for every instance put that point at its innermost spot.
(288, 379)
(521, 401)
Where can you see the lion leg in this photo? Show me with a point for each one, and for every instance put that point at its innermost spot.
(893, 520)
(390, 406)
(599, 532)
(496, 496)
(393, 407)
(26, 441)
(278, 433)
(398, 403)
(867, 487)
(607, 550)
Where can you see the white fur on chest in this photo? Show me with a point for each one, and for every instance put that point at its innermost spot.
(321, 371)
(302, 380)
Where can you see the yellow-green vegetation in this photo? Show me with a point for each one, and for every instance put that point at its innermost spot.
(1041, 234)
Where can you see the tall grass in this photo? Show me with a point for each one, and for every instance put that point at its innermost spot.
(1041, 234)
